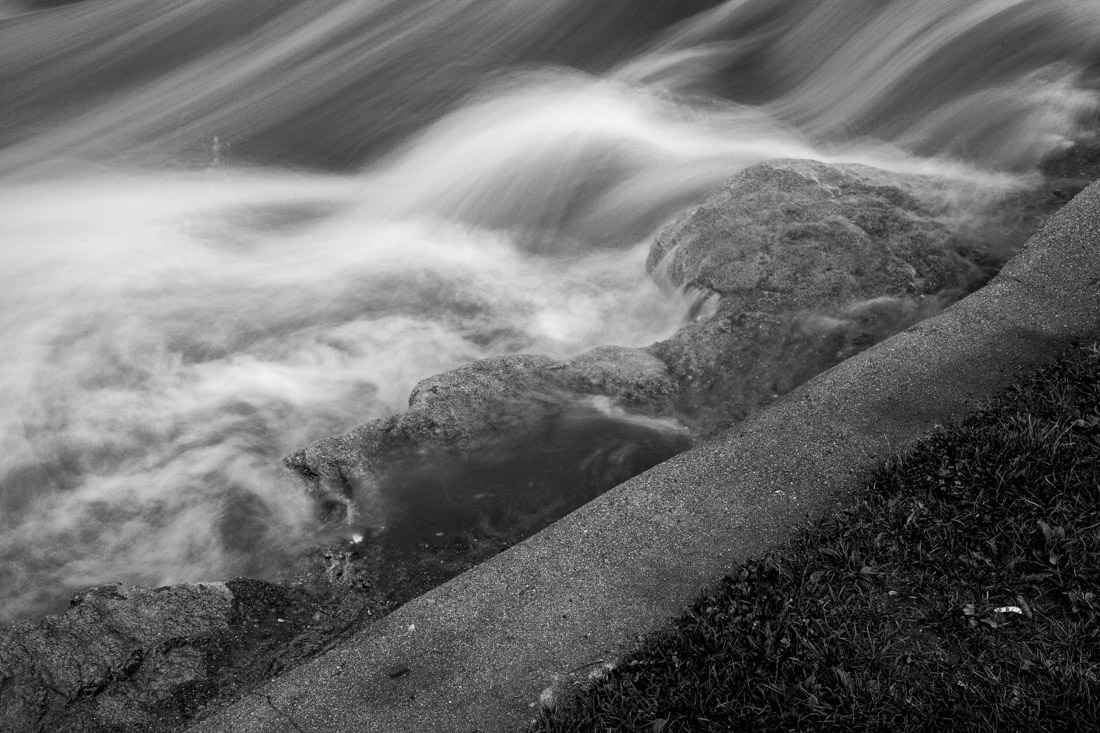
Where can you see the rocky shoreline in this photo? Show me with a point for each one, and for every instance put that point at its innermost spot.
(798, 265)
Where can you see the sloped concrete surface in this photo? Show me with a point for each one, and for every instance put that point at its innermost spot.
(475, 653)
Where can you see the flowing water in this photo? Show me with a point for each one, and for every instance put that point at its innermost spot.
(231, 227)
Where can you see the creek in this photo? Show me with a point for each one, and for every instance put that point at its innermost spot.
(228, 229)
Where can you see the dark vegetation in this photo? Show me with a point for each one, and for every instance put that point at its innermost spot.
(960, 593)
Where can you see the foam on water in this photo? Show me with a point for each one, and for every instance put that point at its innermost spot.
(169, 337)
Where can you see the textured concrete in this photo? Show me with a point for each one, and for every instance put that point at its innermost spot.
(480, 649)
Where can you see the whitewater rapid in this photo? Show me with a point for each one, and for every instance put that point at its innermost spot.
(228, 229)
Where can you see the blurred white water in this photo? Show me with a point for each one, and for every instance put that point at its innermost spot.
(169, 337)
(229, 229)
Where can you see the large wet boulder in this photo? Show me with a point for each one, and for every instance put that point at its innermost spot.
(126, 658)
(804, 265)
(801, 264)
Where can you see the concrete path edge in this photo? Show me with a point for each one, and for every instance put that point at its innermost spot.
(480, 649)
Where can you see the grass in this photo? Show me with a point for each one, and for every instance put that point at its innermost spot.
(962, 592)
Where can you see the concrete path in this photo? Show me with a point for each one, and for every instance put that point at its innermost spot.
(480, 649)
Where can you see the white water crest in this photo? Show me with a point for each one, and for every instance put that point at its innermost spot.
(228, 229)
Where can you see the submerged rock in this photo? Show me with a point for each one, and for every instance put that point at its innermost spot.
(501, 413)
